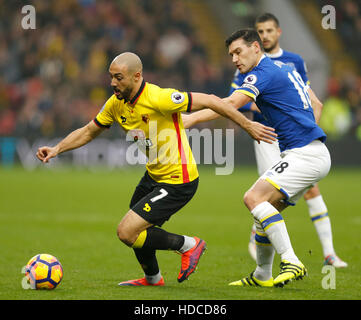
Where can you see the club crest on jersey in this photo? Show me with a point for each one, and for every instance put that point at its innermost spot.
(145, 118)
(291, 64)
(279, 63)
(251, 79)
(177, 97)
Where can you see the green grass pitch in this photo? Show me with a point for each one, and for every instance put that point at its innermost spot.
(72, 214)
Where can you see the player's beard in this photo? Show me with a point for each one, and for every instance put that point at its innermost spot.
(269, 49)
(125, 94)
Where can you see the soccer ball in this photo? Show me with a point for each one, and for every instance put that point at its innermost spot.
(44, 271)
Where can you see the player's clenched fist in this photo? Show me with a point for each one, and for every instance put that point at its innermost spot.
(44, 154)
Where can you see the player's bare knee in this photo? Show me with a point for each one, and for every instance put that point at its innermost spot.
(249, 199)
(124, 235)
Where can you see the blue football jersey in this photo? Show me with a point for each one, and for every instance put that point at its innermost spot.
(289, 58)
(281, 95)
(293, 60)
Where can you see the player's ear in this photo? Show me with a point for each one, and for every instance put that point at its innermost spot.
(257, 46)
(137, 76)
(279, 31)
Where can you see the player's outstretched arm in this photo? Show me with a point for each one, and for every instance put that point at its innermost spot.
(227, 108)
(74, 140)
(316, 105)
(189, 120)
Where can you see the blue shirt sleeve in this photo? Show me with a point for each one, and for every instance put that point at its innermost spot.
(255, 82)
(302, 70)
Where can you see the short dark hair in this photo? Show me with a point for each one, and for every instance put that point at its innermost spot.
(267, 17)
(248, 35)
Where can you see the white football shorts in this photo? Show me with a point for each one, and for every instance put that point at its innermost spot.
(299, 169)
(267, 154)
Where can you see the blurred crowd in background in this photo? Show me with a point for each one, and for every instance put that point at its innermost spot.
(54, 79)
(342, 108)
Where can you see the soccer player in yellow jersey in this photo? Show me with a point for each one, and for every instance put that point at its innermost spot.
(151, 116)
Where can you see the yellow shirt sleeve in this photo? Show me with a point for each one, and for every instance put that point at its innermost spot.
(172, 100)
(105, 116)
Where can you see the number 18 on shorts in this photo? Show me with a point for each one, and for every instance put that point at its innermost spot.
(299, 169)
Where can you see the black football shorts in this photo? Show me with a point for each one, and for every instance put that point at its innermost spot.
(157, 202)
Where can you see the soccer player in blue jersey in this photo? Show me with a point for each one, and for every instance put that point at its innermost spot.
(268, 28)
(284, 101)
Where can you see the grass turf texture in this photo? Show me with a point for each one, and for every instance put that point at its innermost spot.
(73, 214)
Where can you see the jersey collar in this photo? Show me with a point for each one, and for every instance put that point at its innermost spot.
(263, 56)
(137, 95)
(275, 55)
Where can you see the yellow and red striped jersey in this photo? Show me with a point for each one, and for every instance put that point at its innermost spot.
(152, 119)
